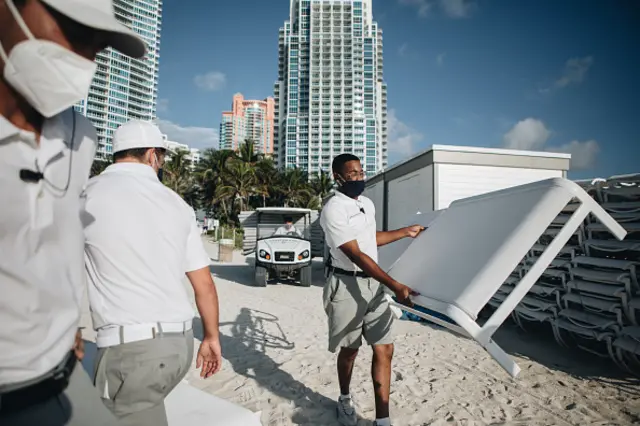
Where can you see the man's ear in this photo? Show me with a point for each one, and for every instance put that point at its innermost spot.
(149, 155)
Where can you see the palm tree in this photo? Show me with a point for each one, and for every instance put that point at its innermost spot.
(177, 172)
(266, 180)
(322, 184)
(209, 174)
(238, 183)
(99, 165)
(247, 152)
(293, 186)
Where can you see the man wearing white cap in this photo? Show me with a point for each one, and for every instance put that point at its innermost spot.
(47, 52)
(141, 239)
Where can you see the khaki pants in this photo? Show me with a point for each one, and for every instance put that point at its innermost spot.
(356, 308)
(78, 405)
(134, 378)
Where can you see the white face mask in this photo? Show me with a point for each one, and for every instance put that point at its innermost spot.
(50, 77)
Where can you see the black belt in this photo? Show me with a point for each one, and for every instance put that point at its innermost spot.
(54, 384)
(359, 274)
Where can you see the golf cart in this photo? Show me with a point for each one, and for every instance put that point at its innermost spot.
(283, 254)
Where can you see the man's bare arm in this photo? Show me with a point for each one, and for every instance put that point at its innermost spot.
(388, 237)
(209, 355)
(206, 300)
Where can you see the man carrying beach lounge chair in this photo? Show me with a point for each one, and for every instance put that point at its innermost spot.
(141, 239)
(354, 299)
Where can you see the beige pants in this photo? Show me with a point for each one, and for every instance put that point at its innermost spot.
(134, 378)
(356, 308)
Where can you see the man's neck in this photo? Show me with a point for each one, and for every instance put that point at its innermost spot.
(18, 111)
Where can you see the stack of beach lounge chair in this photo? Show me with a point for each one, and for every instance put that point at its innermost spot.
(590, 293)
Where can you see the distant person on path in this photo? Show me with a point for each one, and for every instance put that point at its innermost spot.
(205, 225)
(47, 53)
(354, 299)
(141, 239)
(288, 228)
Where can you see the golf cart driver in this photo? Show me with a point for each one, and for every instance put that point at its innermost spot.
(288, 228)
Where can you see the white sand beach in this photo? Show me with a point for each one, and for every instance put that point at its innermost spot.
(276, 361)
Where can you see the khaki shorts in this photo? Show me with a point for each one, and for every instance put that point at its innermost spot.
(356, 307)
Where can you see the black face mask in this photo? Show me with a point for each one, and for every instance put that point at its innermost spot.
(160, 174)
(352, 188)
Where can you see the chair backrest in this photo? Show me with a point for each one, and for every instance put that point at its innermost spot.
(389, 254)
(472, 247)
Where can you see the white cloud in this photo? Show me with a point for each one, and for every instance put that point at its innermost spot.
(455, 9)
(423, 6)
(533, 134)
(575, 71)
(163, 105)
(583, 154)
(402, 138)
(195, 137)
(529, 133)
(440, 59)
(402, 51)
(211, 81)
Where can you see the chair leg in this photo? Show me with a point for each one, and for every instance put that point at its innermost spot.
(518, 321)
(557, 334)
(476, 332)
(621, 361)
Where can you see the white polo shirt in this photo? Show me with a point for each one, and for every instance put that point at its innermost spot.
(344, 219)
(141, 238)
(41, 258)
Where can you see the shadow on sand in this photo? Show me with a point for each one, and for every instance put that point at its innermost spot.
(247, 343)
(538, 344)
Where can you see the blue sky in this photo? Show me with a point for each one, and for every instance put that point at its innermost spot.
(559, 75)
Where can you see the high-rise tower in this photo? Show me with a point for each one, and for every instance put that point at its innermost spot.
(125, 88)
(330, 95)
(248, 119)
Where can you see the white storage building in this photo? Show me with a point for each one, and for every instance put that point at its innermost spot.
(435, 178)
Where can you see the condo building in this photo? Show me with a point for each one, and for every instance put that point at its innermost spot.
(248, 119)
(330, 96)
(125, 88)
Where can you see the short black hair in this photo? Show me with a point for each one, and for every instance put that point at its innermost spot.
(137, 153)
(338, 163)
(288, 219)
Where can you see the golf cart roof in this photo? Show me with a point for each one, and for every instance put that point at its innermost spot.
(283, 210)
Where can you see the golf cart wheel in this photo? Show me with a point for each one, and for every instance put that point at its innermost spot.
(305, 276)
(261, 276)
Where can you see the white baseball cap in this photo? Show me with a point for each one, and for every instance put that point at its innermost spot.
(138, 134)
(100, 14)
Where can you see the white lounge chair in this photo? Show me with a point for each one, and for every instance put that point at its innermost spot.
(189, 406)
(389, 254)
(470, 249)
